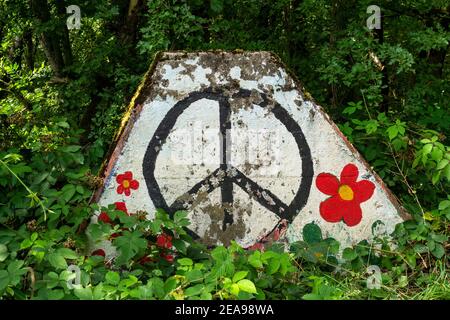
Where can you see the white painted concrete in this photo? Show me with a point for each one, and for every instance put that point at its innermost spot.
(261, 147)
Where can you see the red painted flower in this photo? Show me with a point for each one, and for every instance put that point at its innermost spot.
(164, 241)
(126, 183)
(346, 195)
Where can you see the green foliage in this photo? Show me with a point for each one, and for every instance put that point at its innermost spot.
(389, 96)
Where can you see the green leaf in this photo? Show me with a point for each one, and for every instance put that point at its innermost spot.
(439, 237)
(431, 245)
(63, 124)
(219, 254)
(180, 245)
(179, 216)
(70, 149)
(285, 264)
(52, 278)
(436, 155)
(57, 261)
(98, 292)
(16, 271)
(26, 243)
(4, 279)
(185, 262)
(442, 164)
(247, 286)
(403, 281)
(170, 285)
(216, 5)
(194, 275)
(435, 177)
(194, 291)
(57, 294)
(255, 260)
(273, 266)
(234, 289)
(68, 191)
(129, 245)
(78, 158)
(349, 110)
(420, 248)
(67, 253)
(112, 277)
(15, 267)
(438, 251)
(239, 275)
(349, 254)
(427, 148)
(79, 189)
(416, 162)
(268, 255)
(371, 126)
(392, 132)
(312, 233)
(84, 293)
(447, 172)
(3, 252)
(444, 205)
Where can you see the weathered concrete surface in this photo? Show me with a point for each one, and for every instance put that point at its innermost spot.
(231, 138)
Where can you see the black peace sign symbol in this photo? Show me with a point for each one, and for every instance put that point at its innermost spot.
(263, 196)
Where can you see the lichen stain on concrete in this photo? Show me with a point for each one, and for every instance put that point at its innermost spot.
(234, 231)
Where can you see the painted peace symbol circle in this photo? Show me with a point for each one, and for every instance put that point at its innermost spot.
(272, 202)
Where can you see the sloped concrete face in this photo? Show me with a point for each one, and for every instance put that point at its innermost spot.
(232, 139)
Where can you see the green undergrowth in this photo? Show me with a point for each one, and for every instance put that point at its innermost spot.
(156, 259)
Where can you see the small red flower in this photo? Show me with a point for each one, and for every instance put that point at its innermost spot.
(346, 195)
(122, 207)
(167, 257)
(126, 183)
(103, 217)
(164, 241)
(119, 206)
(98, 252)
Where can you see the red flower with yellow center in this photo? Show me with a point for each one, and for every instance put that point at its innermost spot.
(126, 183)
(347, 194)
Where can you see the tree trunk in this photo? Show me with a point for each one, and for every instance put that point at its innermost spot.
(29, 54)
(379, 34)
(128, 32)
(65, 40)
(50, 40)
(16, 50)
